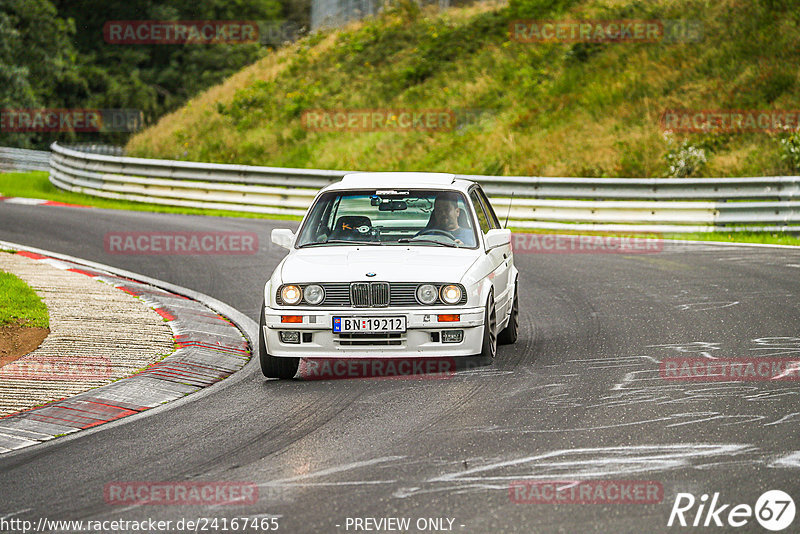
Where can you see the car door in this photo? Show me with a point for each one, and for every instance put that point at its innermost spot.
(508, 252)
(499, 257)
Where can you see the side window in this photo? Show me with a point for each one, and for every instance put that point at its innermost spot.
(476, 203)
(487, 206)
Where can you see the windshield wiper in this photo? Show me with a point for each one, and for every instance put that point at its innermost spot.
(415, 240)
(340, 242)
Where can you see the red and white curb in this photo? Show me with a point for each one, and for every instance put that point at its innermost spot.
(209, 348)
(39, 202)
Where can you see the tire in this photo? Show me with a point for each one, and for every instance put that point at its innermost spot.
(489, 346)
(271, 366)
(509, 334)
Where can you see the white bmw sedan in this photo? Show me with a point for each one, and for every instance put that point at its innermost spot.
(391, 265)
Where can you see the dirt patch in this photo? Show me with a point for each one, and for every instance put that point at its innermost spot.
(17, 341)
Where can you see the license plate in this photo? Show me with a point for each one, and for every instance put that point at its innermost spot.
(369, 324)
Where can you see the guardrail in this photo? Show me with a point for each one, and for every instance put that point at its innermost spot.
(21, 159)
(603, 204)
(97, 148)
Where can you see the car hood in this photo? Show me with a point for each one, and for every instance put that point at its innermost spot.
(389, 263)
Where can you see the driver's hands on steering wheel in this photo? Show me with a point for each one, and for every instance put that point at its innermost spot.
(442, 232)
(437, 231)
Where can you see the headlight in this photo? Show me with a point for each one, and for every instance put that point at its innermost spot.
(451, 294)
(426, 294)
(314, 294)
(291, 294)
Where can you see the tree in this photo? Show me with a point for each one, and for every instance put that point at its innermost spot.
(37, 62)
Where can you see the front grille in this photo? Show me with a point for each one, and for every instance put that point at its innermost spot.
(359, 294)
(358, 338)
(404, 294)
(379, 293)
(371, 294)
(337, 294)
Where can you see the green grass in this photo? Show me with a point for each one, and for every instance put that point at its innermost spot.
(771, 238)
(550, 109)
(37, 185)
(20, 305)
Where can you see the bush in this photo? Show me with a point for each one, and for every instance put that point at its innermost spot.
(683, 160)
(790, 149)
(538, 8)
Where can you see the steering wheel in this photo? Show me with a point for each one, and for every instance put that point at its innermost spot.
(440, 232)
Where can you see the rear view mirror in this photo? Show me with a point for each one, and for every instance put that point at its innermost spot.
(393, 205)
(283, 237)
(497, 238)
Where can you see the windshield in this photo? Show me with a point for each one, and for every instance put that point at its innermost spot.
(389, 217)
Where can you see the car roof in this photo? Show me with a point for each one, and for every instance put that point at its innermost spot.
(402, 180)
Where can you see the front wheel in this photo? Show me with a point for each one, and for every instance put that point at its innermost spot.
(489, 347)
(271, 366)
(509, 334)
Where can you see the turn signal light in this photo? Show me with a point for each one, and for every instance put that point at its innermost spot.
(450, 318)
(291, 318)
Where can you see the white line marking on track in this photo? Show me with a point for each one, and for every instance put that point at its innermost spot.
(790, 460)
(336, 469)
(12, 514)
(782, 419)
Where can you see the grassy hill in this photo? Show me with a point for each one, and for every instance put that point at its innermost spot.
(550, 109)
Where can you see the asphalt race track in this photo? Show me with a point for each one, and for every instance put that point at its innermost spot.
(578, 397)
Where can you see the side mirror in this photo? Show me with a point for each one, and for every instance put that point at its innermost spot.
(497, 237)
(283, 237)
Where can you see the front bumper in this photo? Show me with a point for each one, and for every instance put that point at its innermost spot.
(423, 336)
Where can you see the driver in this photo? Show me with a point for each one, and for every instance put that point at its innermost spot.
(445, 217)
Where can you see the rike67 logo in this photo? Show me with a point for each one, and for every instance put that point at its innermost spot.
(774, 510)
